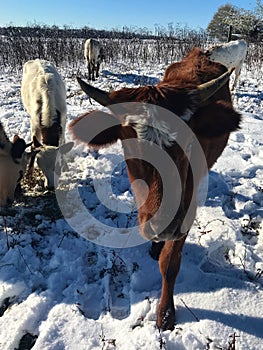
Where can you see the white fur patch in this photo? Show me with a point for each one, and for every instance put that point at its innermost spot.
(149, 128)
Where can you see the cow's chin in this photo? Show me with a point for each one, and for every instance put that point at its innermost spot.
(152, 232)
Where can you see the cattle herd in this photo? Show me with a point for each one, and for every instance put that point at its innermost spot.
(195, 90)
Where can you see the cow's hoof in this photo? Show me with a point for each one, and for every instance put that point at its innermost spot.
(166, 320)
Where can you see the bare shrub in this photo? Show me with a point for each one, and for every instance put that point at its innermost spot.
(66, 46)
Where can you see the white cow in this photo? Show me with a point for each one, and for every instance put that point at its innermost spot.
(93, 53)
(13, 162)
(44, 98)
(231, 54)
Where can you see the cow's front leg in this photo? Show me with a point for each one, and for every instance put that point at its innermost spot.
(169, 264)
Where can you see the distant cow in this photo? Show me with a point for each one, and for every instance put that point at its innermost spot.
(231, 55)
(196, 91)
(13, 161)
(44, 98)
(93, 53)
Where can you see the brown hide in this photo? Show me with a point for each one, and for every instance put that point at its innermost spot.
(210, 120)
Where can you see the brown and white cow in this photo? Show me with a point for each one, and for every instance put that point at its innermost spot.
(196, 91)
(93, 53)
(44, 97)
(13, 161)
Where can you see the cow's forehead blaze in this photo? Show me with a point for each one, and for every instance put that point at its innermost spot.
(152, 130)
(151, 126)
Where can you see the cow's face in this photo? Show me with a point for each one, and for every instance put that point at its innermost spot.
(159, 149)
(158, 165)
(49, 160)
(161, 193)
(46, 158)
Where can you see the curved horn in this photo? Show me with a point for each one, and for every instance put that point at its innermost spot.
(102, 97)
(209, 88)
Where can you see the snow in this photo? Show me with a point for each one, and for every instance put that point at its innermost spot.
(75, 284)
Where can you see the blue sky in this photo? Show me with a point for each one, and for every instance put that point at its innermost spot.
(104, 14)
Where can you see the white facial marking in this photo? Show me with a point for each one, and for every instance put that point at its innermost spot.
(148, 126)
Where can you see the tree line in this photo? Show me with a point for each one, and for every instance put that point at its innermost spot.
(65, 46)
(244, 23)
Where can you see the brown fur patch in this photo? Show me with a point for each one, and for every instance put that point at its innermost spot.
(87, 128)
(215, 119)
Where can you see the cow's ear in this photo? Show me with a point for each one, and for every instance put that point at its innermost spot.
(215, 120)
(18, 147)
(66, 147)
(97, 129)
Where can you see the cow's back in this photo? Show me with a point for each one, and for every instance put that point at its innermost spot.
(43, 92)
(193, 70)
(92, 49)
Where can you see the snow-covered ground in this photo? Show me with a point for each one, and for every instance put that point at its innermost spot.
(61, 291)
